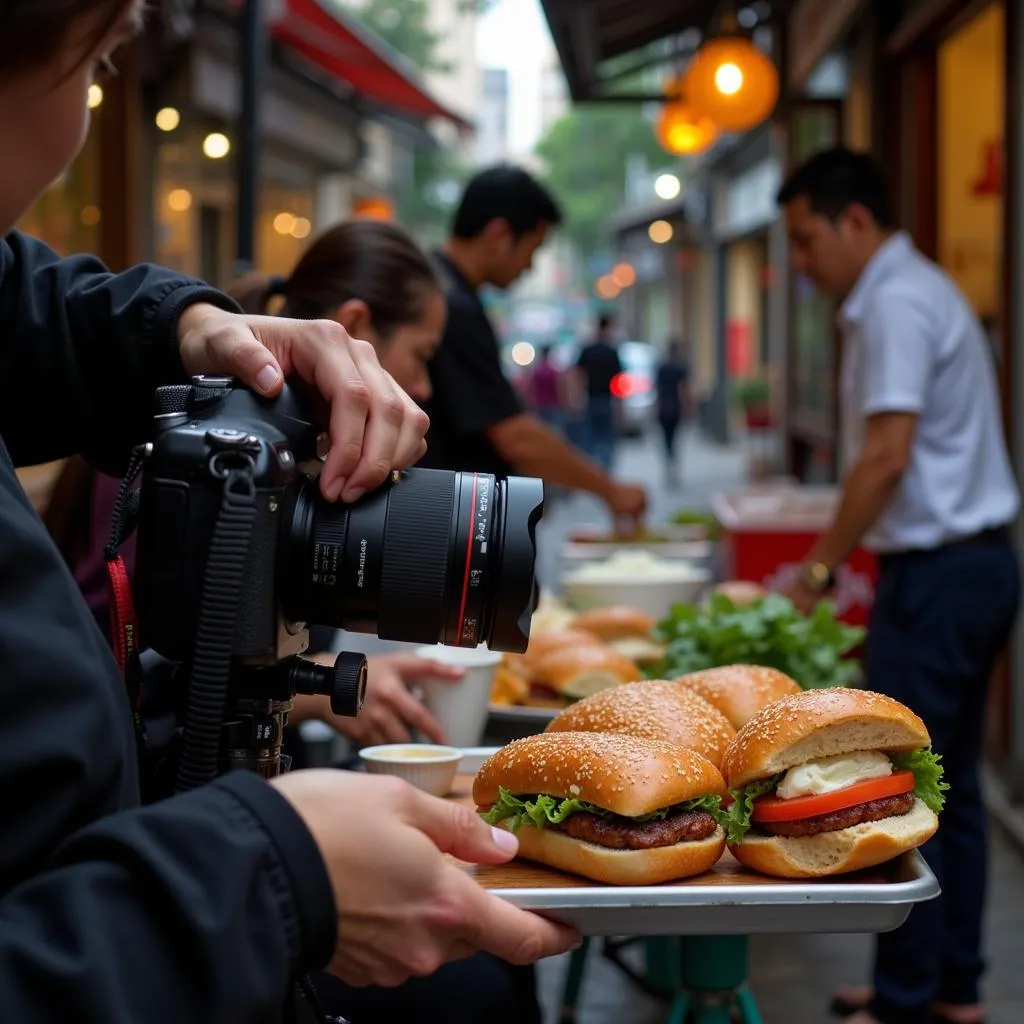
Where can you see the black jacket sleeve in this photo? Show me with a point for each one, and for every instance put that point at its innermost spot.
(183, 911)
(82, 351)
(197, 909)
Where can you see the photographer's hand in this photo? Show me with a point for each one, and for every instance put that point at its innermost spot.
(374, 426)
(403, 908)
(390, 712)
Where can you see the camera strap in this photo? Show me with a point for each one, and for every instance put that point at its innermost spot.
(123, 621)
(223, 584)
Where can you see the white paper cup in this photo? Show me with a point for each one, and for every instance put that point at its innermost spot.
(461, 706)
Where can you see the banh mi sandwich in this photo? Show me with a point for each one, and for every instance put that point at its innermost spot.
(542, 644)
(830, 781)
(583, 669)
(617, 809)
(740, 691)
(653, 710)
(626, 629)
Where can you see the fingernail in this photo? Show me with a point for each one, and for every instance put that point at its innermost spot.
(267, 378)
(334, 490)
(504, 841)
(353, 494)
(578, 944)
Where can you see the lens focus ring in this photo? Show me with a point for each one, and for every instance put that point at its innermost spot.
(415, 563)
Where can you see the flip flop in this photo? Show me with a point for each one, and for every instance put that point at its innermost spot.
(840, 1007)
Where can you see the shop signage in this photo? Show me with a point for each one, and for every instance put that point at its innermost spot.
(814, 28)
(749, 200)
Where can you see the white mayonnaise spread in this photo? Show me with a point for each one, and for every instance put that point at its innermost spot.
(832, 773)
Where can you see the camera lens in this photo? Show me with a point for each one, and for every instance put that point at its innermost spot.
(433, 557)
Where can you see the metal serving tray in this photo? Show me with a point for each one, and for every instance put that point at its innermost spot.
(727, 900)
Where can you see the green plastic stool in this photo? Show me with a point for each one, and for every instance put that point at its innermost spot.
(704, 977)
(714, 982)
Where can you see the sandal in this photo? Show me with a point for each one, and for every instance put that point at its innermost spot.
(840, 1007)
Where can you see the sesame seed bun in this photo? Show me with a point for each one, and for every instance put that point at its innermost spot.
(816, 724)
(615, 622)
(620, 867)
(654, 710)
(621, 774)
(584, 668)
(740, 691)
(835, 853)
(626, 775)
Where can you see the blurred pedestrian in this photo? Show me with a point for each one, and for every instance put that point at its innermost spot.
(599, 365)
(672, 386)
(545, 388)
(477, 421)
(928, 487)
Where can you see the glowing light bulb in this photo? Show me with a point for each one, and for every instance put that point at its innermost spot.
(728, 79)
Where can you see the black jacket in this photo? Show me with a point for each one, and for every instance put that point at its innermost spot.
(202, 908)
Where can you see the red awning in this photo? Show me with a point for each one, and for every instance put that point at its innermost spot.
(322, 33)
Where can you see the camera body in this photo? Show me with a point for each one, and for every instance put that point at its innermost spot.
(201, 431)
(237, 552)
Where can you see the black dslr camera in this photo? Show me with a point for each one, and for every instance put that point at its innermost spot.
(238, 552)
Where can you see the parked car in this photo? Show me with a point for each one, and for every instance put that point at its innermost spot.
(633, 389)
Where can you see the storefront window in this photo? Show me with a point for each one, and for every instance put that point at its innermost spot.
(194, 199)
(67, 216)
(815, 127)
(971, 111)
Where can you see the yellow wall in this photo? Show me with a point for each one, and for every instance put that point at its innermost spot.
(971, 104)
(705, 340)
(744, 303)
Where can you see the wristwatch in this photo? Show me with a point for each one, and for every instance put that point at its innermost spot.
(817, 576)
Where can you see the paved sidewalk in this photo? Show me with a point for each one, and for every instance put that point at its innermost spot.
(705, 467)
(791, 976)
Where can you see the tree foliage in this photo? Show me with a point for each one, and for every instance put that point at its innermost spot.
(585, 154)
(405, 26)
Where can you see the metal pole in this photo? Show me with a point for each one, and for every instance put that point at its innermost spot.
(254, 50)
(1015, 319)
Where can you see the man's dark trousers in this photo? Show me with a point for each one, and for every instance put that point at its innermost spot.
(940, 621)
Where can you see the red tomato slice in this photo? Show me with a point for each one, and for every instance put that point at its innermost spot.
(773, 808)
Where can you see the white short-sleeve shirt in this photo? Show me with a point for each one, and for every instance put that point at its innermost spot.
(912, 343)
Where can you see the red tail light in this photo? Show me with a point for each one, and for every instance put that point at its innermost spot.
(625, 384)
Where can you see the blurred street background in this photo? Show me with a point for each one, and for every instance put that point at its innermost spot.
(237, 130)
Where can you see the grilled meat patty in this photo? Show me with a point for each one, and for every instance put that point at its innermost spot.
(617, 833)
(873, 810)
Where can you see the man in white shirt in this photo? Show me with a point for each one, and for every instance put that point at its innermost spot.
(929, 487)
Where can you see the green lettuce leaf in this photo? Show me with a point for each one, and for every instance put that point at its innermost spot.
(541, 811)
(929, 786)
(735, 819)
(812, 649)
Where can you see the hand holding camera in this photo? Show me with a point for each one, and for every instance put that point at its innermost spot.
(375, 427)
(404, 909)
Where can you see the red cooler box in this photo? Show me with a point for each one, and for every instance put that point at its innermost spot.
(767, 532)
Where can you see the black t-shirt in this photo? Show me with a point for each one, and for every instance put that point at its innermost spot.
(471, 393)
(600, 365)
